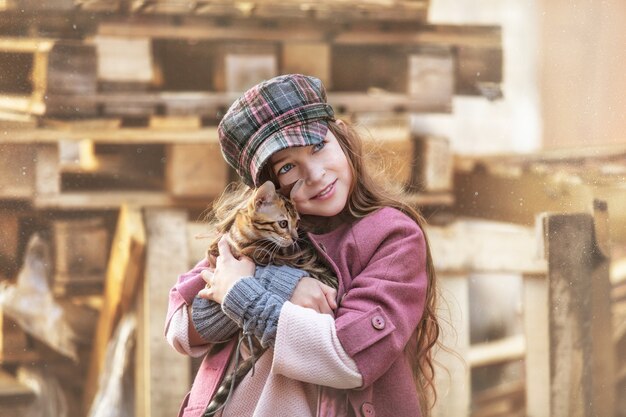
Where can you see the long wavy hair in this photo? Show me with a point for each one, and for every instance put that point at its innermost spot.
(367, 195)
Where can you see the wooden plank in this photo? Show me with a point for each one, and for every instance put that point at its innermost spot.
(17, 171)
(165, 374)
(536, 329)
(485, 247)
(113, 200)
(196, 171)
(47, 172)
(311, 58)
(81, 249)
(12, 337)
(431, 76)
(13, 392)
(452, 375)
(122, 59)
(239, 66)
(124, 273)
(433, 168)
(9, 242)
(509, 349)
(520, 192)
(581, 352)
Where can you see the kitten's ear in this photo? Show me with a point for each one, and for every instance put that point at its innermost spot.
(264, 194)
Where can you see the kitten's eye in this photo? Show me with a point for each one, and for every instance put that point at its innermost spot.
(285, 168)
(283, 224)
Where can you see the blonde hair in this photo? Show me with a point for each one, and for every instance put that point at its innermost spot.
(366, 196)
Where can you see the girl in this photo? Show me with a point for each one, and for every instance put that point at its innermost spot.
(363, 350)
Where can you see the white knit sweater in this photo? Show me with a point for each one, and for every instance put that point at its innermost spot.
(306, 354)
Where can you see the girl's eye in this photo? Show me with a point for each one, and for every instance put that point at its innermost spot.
(283, 224)
(285, 168)
(319, 146)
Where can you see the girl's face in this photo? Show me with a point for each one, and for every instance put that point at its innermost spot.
(325, 172)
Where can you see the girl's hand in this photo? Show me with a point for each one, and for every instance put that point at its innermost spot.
(228, 270)
(313, 294)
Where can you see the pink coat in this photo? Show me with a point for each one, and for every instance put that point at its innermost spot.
(381, 263)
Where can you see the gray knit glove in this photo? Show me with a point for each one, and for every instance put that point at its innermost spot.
(253, 303)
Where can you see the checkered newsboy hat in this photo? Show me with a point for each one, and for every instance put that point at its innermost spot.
(285, 111)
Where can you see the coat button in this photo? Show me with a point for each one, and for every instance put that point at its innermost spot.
(378, 322)
(367, 410)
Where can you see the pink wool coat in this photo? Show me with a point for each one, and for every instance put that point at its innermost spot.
(381, 264)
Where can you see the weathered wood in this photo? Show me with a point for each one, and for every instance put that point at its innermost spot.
(431, 76)
(123, 275)
(452, 374)
(9, 242)
(17, 171)
(485, 247)
(433, 167)
(12, 337)
(504, 350)
(196, 171)
(121, 59)
(239, 66)
(47, 172)
(164, 373)
(506, 189)
(13, 392)
(581, 352)
(311, 58)
(537, 361)
(81, 249)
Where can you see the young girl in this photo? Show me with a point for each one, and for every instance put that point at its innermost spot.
(362, 350)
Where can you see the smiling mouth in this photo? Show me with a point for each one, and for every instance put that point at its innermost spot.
(326, 190)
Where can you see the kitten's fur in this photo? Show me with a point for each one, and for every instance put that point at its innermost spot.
(263, 225)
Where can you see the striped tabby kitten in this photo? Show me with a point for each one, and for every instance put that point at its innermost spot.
(263, 225)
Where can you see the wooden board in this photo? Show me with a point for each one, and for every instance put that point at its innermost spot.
(311, 58)
(81, 247)
(13, 392)
(162, 375)
(581, 349)
(17, 171)
(196, 171)
(239, 66)
(124, 273)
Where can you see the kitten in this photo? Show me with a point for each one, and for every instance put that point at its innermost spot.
(263, 225)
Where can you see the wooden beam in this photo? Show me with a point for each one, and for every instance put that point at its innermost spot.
(581, 351)
(452, 373)
(509, 349)
(13, 392)
(163, 374)
(537, 361)
(124, 272)
(485, 247)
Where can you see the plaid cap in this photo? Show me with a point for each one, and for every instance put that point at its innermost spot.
(285, 111)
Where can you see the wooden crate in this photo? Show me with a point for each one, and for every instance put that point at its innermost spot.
(81, 253)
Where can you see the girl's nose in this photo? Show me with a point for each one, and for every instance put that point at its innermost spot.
(314, 174)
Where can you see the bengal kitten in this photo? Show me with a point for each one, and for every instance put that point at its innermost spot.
(263, 225)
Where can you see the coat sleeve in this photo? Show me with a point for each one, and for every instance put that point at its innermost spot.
(385, 302)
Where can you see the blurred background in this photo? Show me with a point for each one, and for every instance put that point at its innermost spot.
(503, 121)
